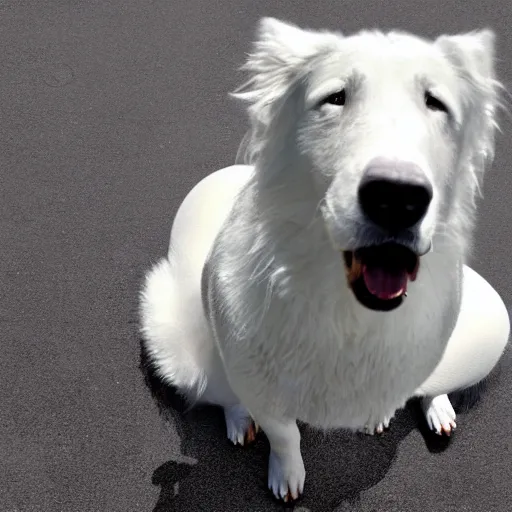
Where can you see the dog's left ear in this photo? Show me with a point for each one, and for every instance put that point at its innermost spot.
(472, 53)
(472, 56)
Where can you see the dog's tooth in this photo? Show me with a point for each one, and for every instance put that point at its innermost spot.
(355, 270)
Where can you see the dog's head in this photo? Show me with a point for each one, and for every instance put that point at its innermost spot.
(392, 131)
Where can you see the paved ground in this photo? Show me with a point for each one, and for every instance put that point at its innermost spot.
(110, 110)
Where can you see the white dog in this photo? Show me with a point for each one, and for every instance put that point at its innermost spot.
(325, 282)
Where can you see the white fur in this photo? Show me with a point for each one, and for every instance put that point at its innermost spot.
(257, 247)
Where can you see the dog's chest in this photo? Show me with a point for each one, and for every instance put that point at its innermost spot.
(315, 363)
(298, 344)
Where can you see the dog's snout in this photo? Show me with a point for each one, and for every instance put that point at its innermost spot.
(394, 195)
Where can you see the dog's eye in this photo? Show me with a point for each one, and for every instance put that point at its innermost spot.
(434, 103)
(338, 98)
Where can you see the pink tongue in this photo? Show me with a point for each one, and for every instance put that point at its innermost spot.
(385, 284)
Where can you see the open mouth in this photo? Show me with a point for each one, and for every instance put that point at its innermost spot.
(378, 275)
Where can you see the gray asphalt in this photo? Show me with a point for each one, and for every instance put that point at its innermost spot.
(110, 111)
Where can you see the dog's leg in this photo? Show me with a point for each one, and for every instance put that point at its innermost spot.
(475, 347)
(286, 473)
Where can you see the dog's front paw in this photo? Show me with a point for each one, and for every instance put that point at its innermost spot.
(439, 414)
(286, 476)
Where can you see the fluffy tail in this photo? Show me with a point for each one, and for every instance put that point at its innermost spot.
(172, 345)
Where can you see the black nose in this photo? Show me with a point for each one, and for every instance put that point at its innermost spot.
(394, 195)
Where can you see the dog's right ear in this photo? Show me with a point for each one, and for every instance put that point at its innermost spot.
(278, 58)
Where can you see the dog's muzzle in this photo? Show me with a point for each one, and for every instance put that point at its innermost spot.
(394, 197)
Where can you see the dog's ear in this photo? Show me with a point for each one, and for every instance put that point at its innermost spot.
(283, 46)
(472, 53)
(278, 58)
(472, 56)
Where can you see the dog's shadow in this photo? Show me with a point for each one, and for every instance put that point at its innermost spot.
(221, 477)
